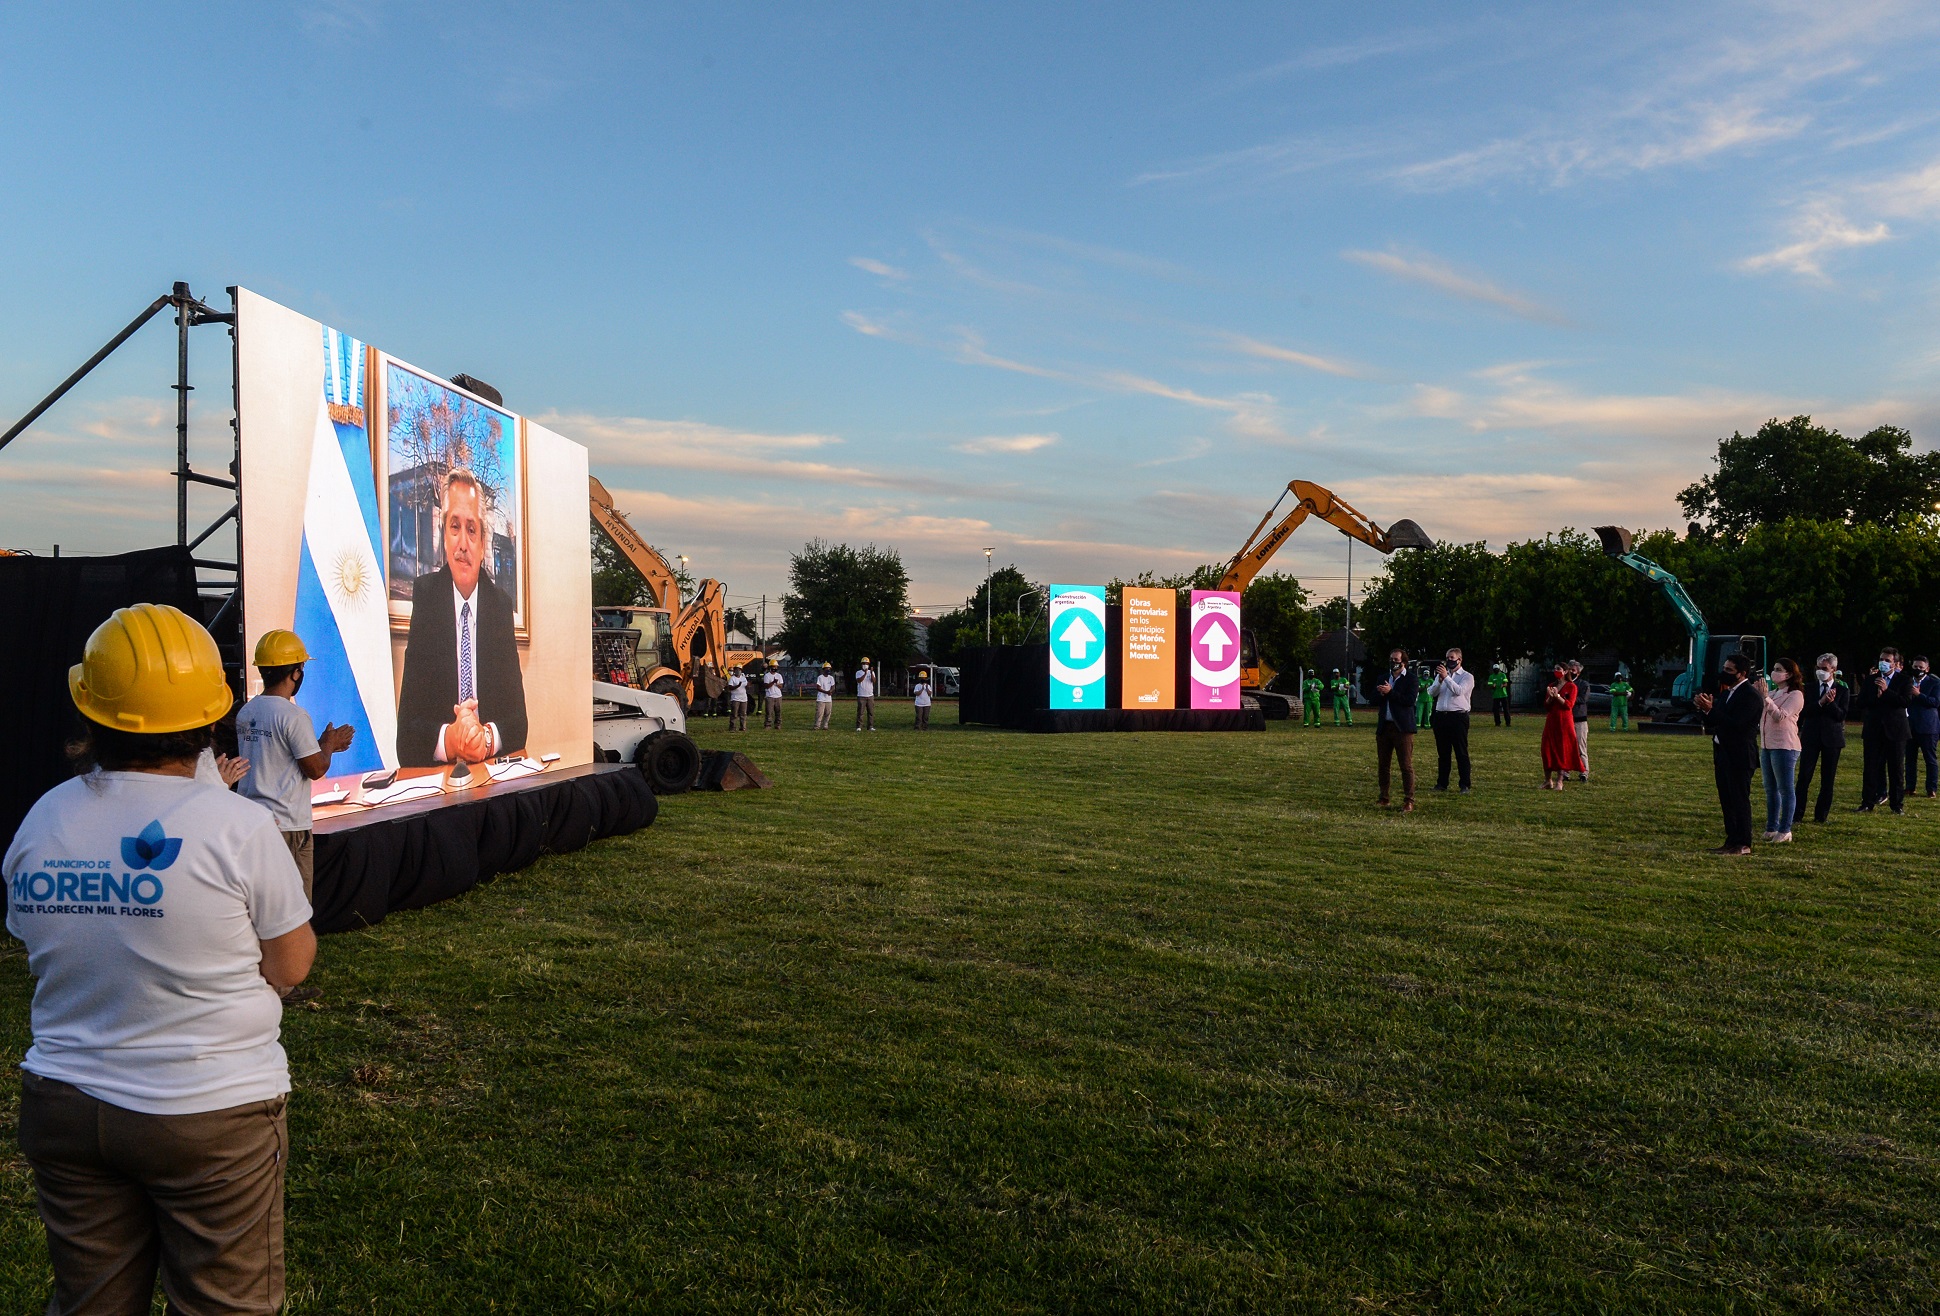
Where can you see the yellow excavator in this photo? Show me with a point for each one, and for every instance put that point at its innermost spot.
(682, 651)
(1309, 499)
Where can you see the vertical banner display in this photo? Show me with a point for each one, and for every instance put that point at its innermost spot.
(1215, 649)
(1149, 673)
(1078, 646)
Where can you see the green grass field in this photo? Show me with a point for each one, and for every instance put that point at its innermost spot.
(985, 1021)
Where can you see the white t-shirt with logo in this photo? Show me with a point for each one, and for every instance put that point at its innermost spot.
(825, 689)
(771, 685)
(922, 692)
(142, 900)
(273, 733)
(738, 689)
(865, 684)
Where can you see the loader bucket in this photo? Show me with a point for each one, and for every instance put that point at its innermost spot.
(1406, 534)
(1616, 540)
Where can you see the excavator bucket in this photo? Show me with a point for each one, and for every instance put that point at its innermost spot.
(1616, 540)
(1406, 534)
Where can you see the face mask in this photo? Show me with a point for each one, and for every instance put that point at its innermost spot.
(297, 678)
(1825, 674)
(1779, 676)
(1885, 667)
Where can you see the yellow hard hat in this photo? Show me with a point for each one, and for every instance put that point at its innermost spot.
(150, 669)
(865, 657)
(280, 649)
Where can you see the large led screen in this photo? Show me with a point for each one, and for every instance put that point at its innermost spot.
(428, 546)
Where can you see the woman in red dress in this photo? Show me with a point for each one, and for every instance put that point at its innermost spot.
(1561, 753)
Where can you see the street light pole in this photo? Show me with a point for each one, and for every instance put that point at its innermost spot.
(986, 595)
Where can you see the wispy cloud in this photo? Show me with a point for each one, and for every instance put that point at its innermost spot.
(879, 269)
(1273, 352)
(1436, 274)
(992, 445)
(1818, 231)
(1821, 225)
(1513, 397)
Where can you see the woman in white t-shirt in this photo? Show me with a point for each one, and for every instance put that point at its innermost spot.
(824, 696)
(921, 690)
(162, 917)
(771, 694)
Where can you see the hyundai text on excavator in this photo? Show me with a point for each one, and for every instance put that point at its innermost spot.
(1309, 500)
(681, 651)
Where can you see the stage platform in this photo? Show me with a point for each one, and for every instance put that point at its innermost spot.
(415, 853)
(1145, 719)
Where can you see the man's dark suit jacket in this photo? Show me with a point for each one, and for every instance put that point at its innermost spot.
(430, 686)
(1820, 724)
(1400, 700)
(1923, 708)
(1884, 713)
(1733, 722)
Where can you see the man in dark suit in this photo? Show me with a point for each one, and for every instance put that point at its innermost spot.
(1923, 715)
(1884, 731)
(1394, 726)
(1732, 716)
(1822, 733)
(463, 696)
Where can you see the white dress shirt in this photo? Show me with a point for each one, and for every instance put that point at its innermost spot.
(1453, 692)
(466, 640)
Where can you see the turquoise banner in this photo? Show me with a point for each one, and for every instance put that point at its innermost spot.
(1077, 615)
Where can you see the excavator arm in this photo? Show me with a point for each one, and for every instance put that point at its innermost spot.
(645, 558)
(1617, 544)
(1311, 499)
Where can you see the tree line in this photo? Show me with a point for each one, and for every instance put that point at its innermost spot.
(1817, 541)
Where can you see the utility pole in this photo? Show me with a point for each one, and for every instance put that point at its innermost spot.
(763, 637)
(986, 596)
(1347, 643)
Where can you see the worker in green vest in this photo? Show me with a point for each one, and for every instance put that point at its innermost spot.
(1337, 686)
(1425, 698)
(1311, 688)
(1620, 701)
(1499, 693)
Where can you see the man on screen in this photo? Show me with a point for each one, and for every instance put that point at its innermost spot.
(463, 696)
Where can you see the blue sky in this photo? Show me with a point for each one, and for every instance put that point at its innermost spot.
(1084, 284)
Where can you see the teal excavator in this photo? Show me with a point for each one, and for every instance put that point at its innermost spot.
(1708, 651)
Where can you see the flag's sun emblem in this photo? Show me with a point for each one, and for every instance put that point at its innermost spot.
(353, 575)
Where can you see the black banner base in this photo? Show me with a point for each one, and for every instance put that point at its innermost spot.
(412, 855)
(1146, 719)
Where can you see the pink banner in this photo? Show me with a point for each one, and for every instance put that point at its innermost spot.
(1215, 657)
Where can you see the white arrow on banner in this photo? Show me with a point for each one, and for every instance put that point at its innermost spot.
(1217, 642)
(1079, 639)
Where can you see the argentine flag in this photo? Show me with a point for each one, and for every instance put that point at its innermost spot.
(341, 614)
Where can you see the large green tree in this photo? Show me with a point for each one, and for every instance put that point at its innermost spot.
(1797, 470)
(846, 602)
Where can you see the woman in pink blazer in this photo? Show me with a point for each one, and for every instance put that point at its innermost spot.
(1778, 757)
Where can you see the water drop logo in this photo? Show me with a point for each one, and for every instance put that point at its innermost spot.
(154, 848)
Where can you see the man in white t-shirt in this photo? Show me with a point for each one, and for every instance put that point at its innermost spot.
(824, 697)
(285, 755)
(162, 917)
(865, 695)
(737, 684)
(771, 692)
(921, 691)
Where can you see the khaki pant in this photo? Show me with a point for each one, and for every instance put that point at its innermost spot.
(823, 708)
(865, 705)
(303, 849)
(1391, 741)
(737, 715)
(1583, 745)
(922, 717)
(771, 715)
(122, 1194)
